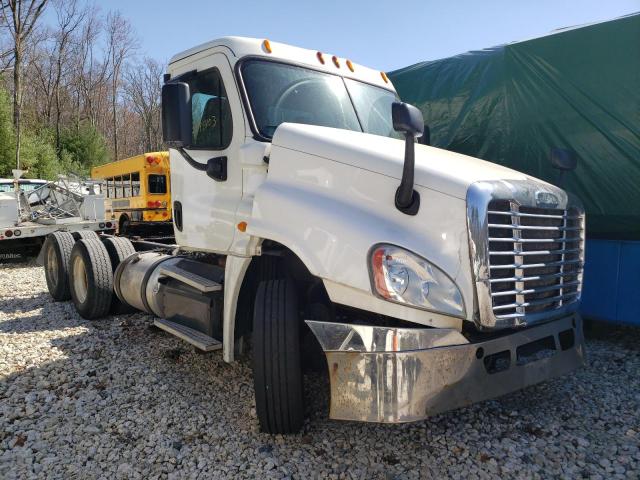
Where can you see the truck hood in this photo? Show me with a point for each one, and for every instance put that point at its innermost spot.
(447, 172)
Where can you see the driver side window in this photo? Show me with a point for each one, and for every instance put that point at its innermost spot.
(210, 111)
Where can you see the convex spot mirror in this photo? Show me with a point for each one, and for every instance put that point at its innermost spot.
(176, 114)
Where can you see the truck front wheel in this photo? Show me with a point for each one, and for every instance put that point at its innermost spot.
(277, 373)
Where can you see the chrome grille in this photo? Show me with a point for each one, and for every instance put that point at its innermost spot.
(534, 260)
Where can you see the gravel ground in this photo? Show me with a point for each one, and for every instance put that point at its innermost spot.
(118, 399)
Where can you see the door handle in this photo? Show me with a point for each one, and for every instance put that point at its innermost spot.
(217, 168)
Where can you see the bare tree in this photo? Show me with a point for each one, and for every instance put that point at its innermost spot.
(40, 70)
(21, 17)
(90, 73)
(143, 88)
(70, 17)
(121, 44)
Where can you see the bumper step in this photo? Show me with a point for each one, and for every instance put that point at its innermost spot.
(197, 339)
(194, 280)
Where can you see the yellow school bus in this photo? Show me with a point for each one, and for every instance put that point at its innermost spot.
(138, 191)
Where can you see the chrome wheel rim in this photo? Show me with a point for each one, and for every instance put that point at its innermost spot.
(80, 282)
(52, 265)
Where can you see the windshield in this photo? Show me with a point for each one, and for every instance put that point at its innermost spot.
(281, 93)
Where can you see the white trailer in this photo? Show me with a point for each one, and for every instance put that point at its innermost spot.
(309, 218)
(28, 215)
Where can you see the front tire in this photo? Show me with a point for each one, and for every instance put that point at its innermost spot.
(277, 373)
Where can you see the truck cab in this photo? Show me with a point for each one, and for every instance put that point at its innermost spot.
(309, 217)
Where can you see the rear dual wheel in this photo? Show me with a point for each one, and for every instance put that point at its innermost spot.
(57, 251)
(119, 249)
(91, 278)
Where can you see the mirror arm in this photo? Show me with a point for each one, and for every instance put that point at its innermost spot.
(407, 199)
(191, 161)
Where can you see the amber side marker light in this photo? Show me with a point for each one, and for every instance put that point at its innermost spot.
(242, 226)
(384, 77)
(267, 46)
(320, 57)
(350, 66)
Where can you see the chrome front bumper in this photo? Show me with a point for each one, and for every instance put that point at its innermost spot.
(394, 375)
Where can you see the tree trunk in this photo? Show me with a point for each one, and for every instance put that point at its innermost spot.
(147, 128)
(58, 119)
(17, 97)
(115, 123)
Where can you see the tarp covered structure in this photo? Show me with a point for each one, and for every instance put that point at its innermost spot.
(576, 89)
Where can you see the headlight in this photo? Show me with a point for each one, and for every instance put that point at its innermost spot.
(403, 277)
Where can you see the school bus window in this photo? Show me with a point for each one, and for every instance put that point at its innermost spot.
(126, 185)
(135, 184)
(117, 182)
(157, 183)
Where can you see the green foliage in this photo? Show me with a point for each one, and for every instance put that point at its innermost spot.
(79, 149)
(7, 138)
(83, 149)
(38, 156)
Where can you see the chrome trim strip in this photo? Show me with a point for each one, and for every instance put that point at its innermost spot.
(531, 227)
(538, 252)
(542, 301)
(536, 240)
(534, 215)
(533, 290)
(535, 277)
(534, 265)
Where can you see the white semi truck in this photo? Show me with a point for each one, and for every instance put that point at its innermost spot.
(308, 215)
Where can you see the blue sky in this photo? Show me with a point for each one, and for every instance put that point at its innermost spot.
(383, 35)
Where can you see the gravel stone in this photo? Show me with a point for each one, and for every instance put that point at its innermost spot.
(117, 398)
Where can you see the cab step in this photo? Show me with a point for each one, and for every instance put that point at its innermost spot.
(194, 280)
(194, 337)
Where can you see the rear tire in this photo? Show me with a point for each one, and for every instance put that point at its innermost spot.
(277, 373)
(119, 248)
(90, 278)
(85, 235)
(57, 250)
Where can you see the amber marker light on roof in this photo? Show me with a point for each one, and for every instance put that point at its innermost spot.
(320, 57)
(350, 65)
(242, 226)
(267, 46)
(335, 61)
(384, 77)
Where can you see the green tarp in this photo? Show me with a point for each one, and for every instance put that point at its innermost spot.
(576, 89)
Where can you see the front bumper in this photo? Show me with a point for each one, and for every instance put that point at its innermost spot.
(394, 375)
